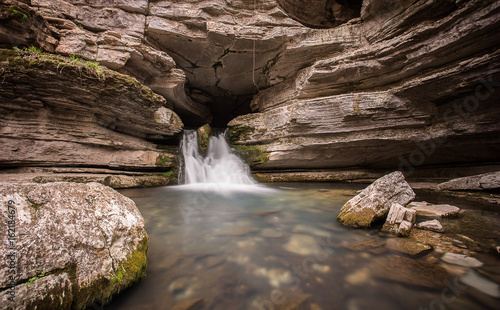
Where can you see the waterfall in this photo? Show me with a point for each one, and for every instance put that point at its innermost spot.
(220, 166)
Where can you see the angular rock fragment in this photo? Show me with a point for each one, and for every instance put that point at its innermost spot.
(425, 209)
(432, 225)
(399, 220)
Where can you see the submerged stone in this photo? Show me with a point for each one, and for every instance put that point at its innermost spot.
(192, 304)
(461, 260)
(473, 279)
(302, 245)
(408, 271)
(407, 246)
(373, 246)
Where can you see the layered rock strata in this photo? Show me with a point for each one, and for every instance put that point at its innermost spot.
(407, 86)
(67, 119)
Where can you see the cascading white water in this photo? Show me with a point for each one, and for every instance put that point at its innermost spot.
(221, 166)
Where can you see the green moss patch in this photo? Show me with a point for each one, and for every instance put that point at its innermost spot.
(252, 154)
(131, 270)
(362, 218)
(204, 134)
(238, 133)
(164, 160)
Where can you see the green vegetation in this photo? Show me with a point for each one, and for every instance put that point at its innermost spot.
(252, 154)
(75, 59)
(80, 26)
(41, 275)
(362, 218)
(127, 273)
(236, 133)
(36, 57)
(164, 160)
(17, 12)
(169, 174)
(204, 134)
(31, 49)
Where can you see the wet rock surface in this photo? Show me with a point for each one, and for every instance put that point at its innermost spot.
(407, 246)
(361, 99)
(427, 210)
(461, 260)
(374, 202)
(433, 225)
(410, 272)
(399, 220)
(74, 244)
(487, 181)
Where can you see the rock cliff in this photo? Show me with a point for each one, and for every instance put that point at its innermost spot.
(67, 119)
(330, 90)
(406, 86)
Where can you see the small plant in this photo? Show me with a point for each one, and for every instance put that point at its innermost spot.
(95, 69)
(74, 59)
(18, 12)
(92, 64)
(80, 26)
(41, 275)
(17, 49)
(34, 49)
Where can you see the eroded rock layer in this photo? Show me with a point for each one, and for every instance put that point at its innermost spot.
(406, 86)
(61, 113)
(335, 86)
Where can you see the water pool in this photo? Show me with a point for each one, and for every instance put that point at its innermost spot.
(281, 248)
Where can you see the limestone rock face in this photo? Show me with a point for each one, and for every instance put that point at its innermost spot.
(337, 85)
(374, 202)
(73, 244)
(384, 91)
(63, 112)
(486, 181)
(323, 13)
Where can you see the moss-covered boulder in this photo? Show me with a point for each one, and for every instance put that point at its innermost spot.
(70, 245)
(204, 134)
(374, 202)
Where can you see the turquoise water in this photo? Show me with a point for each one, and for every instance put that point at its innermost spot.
(279, 248)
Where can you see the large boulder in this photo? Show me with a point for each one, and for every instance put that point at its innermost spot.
(68, 245)
(373, 202)
(485, 181)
